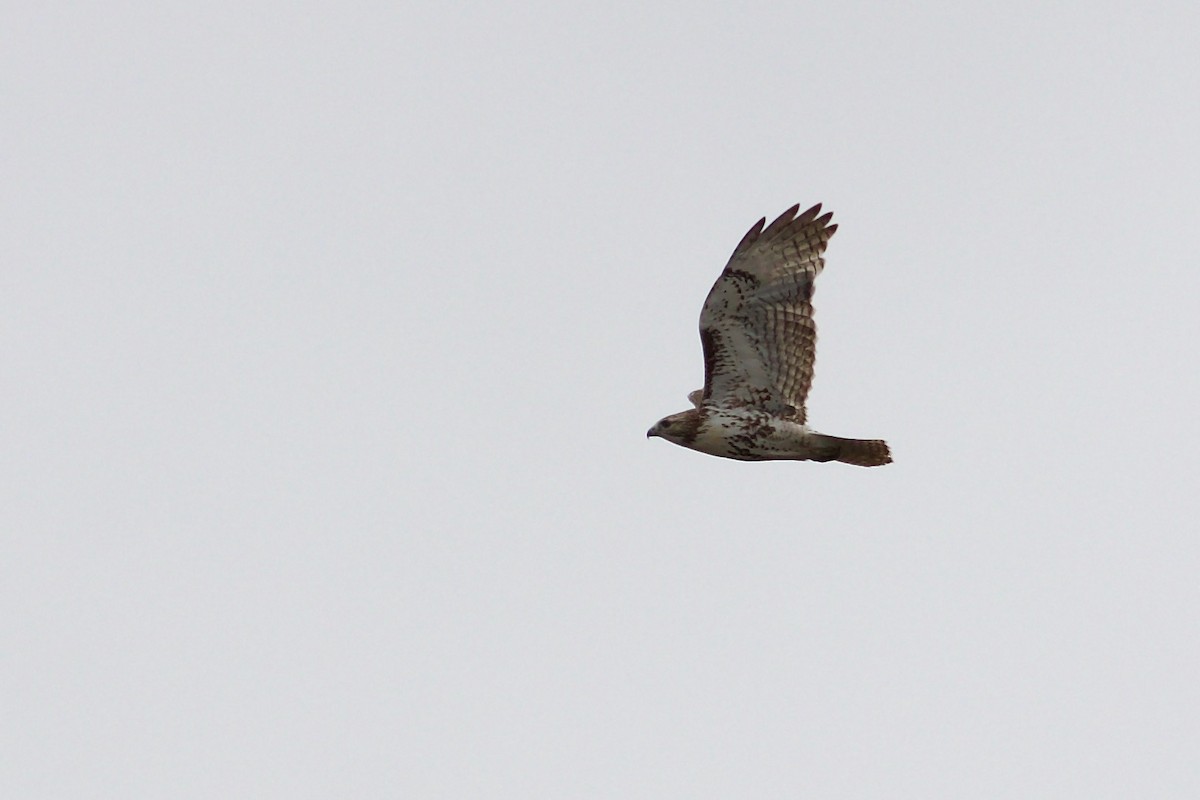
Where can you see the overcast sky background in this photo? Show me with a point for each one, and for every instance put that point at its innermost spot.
(330, 334)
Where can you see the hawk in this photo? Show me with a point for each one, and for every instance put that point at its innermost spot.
(759, 343)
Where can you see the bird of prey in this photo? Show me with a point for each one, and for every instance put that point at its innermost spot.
(759, 342)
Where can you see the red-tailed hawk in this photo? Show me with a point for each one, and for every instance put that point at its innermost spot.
(759, 342)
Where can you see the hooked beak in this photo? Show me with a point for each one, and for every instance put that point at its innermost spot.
(650, 433)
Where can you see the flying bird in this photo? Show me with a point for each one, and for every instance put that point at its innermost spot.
(759, 343)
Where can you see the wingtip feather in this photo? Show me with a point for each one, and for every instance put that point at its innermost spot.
(750, 238)
(782, 221)
(787, 224)
(809, 215)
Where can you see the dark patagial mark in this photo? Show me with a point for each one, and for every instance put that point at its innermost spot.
(712, 349)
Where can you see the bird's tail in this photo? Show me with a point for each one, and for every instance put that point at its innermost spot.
(862, 452)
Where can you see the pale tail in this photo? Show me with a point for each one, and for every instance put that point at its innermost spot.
(863, 452)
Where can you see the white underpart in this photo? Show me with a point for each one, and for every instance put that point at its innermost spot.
(725, 430)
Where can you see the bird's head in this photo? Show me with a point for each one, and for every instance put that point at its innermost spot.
(679, 428)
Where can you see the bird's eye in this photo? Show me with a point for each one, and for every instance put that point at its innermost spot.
(664, 424)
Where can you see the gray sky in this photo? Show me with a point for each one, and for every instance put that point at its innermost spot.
(331, 333)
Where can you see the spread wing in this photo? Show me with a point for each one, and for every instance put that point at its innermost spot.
(757, 324)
